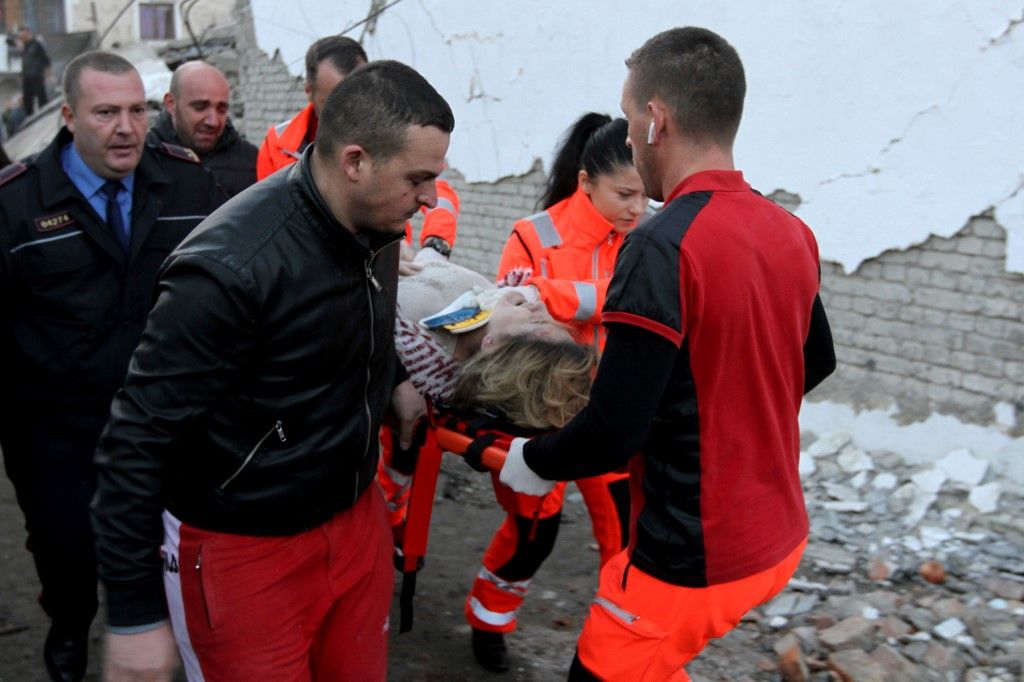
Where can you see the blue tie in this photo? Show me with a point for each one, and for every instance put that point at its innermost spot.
(115, 220)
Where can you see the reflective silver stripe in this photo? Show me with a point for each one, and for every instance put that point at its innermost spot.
(445, 205)
(37, 242)
(513, 586)
(488, 616)
(586, 294)
(617, 611)
(398, 477)
(181, 217)
(281, 127)
(545, 229)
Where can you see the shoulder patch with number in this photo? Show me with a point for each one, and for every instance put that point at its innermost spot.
(178, 152)
(9, 172)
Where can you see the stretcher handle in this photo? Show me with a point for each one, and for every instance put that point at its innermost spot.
(492, 457)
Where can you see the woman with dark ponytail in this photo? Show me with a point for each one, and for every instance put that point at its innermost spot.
(564, 255)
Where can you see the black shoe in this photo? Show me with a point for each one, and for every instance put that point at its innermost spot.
(490, 651)
(65, 654)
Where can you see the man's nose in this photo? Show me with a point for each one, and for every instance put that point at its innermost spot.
(428, 196)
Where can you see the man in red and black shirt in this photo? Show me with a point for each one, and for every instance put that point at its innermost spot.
(715, 333)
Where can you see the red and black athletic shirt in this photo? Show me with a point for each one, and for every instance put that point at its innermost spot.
(729, 279)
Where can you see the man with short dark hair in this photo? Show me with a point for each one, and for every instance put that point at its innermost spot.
(35, 66)
(84, 227)
(243, 445)
(715, 332)
(328, 61)
(195, 115)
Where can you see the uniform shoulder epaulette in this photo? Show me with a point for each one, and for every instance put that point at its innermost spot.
(9, 172)
(178, 152)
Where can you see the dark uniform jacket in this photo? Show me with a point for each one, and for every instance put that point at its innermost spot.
(72, 306)
(232, 160)
(253, 403)
(34, 59)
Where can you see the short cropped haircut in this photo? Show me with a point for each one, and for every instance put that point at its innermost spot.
(104, 62)
(698, 75)
(345, 55)
(375, 105)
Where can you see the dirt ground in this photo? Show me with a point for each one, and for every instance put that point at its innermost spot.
(437, 648)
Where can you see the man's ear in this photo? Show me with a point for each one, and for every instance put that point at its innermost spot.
(168, 102)
(68, 115)
(308, 87)
(354, 162)
(659, 118)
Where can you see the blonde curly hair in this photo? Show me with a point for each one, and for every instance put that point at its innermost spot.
(534, 383)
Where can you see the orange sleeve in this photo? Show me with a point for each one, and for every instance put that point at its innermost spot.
(572, 301)
(515, 255)
(441, 221)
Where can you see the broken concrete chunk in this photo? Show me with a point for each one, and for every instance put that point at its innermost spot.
(985, 498)
(951, 628)
(884, 481)
(963, 467)
(929, 480)
(854, 665)
(829, 444)
(852, 460)
(855, 631)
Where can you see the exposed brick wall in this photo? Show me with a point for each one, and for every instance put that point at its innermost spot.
(268, 92)
(938, 327)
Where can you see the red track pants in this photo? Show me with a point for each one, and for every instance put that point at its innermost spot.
(311, 606)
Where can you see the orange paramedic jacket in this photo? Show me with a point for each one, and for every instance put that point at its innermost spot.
(570, 249)
(285, 142)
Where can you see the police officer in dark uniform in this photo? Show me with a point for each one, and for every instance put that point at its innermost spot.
(84, 228)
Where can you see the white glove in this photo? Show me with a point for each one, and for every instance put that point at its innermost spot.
(518, 476)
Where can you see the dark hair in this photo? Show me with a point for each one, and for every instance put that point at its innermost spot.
(104, 62)
(345, 55)
(373, 107)
(698, 75)
(597, 144)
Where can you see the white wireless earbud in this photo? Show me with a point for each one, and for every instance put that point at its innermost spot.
(650, 134)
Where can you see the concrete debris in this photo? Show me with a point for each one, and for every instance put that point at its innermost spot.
(963, 467)
(985, 498)
(950, 628)
(829, 444)
(929, 480)
(884, 481)
(851, 460)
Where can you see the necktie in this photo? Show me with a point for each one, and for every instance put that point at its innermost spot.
(115, 220)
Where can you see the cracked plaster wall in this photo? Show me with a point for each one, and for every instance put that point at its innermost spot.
(892, 129)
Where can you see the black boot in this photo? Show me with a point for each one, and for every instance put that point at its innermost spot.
(65, 653)
(490, 651)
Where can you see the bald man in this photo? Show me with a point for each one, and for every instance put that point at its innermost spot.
(196, 116)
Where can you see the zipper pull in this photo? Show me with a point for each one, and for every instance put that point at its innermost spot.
(199, 559)
(369, 276)
(279, 427)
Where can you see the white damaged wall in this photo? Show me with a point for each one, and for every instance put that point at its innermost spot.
(891, 121)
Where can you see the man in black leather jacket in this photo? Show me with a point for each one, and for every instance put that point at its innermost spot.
(245, 437)
(73, 303)
(195, 115)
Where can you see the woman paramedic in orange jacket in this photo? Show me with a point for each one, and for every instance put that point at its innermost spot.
(594, 197)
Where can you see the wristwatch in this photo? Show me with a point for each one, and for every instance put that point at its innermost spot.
(439, 245)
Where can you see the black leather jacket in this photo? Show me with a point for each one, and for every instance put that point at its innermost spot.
(253, 403)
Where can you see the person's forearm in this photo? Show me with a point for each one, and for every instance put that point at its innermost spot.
(631, 378)
(819, 351)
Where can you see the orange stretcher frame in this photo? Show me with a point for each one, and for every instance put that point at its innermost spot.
(437, 441)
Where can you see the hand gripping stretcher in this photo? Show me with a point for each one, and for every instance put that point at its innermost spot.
(482, 440)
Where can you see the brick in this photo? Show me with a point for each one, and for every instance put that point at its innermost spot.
(971, 246)
(917, 276)
(991, 367)
(964, 323)
(943, 279)
(986, 227)
(854, 665)
(894, 272)
(981, 345)
(940, 244)
(984, 385)
(854, 631)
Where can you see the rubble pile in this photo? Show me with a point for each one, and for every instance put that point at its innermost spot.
(911, 573)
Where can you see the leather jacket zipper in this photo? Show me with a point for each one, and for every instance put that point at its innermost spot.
(370, 279)
(277, 427)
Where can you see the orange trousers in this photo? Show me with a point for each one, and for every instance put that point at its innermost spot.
(640, 628)
(527, 536)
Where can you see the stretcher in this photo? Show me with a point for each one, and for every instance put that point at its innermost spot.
(482, 440)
